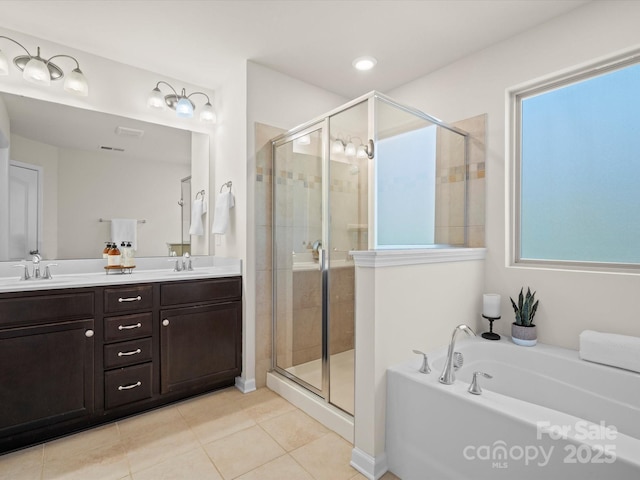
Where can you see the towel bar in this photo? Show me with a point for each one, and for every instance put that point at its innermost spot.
(106, 220)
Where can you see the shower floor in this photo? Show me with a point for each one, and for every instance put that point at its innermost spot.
(341, 378)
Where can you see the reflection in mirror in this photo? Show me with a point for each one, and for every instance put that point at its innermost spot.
(71, 167)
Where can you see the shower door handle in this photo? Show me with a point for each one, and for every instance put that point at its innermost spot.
(321, 259)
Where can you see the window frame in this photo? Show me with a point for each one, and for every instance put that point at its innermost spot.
(513, 176)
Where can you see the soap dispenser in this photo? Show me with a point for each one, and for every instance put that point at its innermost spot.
(129, 257)
(114, 258)
(105, 252)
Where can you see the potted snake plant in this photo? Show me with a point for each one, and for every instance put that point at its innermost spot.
(523, 330)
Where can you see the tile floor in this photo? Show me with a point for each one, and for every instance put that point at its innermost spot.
(220, 436)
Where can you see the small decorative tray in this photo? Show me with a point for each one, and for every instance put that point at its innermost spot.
(118, 269)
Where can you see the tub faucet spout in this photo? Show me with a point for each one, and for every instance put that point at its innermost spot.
(448, 376)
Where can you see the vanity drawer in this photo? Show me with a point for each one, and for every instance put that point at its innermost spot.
(125, 327)
(128, 299)
(127, 385)
(45, 308)
(127, 353)
(201, 291)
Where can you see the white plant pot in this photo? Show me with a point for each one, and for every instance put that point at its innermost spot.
(525, 336)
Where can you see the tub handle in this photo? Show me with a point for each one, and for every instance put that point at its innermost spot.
(425, 362)
(474, 388)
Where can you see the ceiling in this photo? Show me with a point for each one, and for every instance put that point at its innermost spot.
(201, 42)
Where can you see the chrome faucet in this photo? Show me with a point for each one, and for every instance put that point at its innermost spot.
(185, 265)
(36, 265)
(448, 376)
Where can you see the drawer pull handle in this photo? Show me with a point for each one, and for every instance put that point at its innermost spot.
(129, 327)
(129, 387)
(132, 352)
(130, 299)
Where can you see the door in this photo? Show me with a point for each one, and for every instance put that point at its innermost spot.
(300, 239)
(200, 346)
(24, 210)
(51, 366)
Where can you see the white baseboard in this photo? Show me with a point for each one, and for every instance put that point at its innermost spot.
(372, 468)
(245, 386)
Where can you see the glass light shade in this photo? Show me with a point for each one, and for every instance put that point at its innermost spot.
(76, 83)
(4, 64)
(184, 109)
(350, 150)
(156, 100)
(207, 114)
(337, 146)
(361, 152)
(36, 71)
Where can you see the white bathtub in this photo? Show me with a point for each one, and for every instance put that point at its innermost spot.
(546, 414)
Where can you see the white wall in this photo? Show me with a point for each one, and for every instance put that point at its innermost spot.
(570, 301)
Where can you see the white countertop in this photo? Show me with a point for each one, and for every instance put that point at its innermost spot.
(91, 273)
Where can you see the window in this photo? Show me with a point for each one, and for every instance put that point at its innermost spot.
(577, 182)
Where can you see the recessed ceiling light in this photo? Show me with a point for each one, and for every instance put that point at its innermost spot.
(364, 63)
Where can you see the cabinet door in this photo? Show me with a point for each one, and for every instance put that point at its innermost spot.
(200, 346)
(46, 375)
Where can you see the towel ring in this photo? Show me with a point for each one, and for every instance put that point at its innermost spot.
(228, 185)
(201, 192)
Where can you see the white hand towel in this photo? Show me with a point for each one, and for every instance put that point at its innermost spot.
(224, 203)
(622, 351)
(198, 209)
(125, 230)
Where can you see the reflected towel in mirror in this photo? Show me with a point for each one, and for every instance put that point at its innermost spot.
(224, 203)
(124, 230)
(198, 209)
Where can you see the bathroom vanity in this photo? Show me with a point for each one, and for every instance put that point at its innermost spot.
(92, 351)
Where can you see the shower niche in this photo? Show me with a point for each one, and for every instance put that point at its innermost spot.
(372, 174)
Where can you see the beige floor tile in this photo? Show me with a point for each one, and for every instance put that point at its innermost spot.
(105, 463)
(358, 476)
(389, 476)
(215, 417)
(243, 451)
(326, 458)
(152, 423)
(282, 468)
(294, 429)
(193, 465)
(22, 465)
(144, 452)
(76, 445)
(263, 404)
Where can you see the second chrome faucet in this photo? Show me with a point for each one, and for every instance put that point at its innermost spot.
(448, 376)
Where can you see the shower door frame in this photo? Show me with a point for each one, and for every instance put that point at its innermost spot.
(323, 126)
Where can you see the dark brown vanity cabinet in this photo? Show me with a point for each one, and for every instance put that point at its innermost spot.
(46, 363)
(128, 345)
(200, 334)
(74, 358)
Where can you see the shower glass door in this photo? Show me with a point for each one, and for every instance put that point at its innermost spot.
(300, 236)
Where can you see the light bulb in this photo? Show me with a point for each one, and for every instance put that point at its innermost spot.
(207, 114)
(184, 109)
(36, 71)
(338, 146)
(364, 63)
(76, 83)
(156, 100)
(350, 150)
(361, 152)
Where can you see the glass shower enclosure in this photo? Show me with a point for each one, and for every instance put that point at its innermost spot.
(364, 176)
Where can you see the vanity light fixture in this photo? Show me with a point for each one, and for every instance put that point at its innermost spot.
(364, 63)
(349, 149)
(41, 71)
(181, 103)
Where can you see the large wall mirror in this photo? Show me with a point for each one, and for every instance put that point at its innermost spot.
(77, 169)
